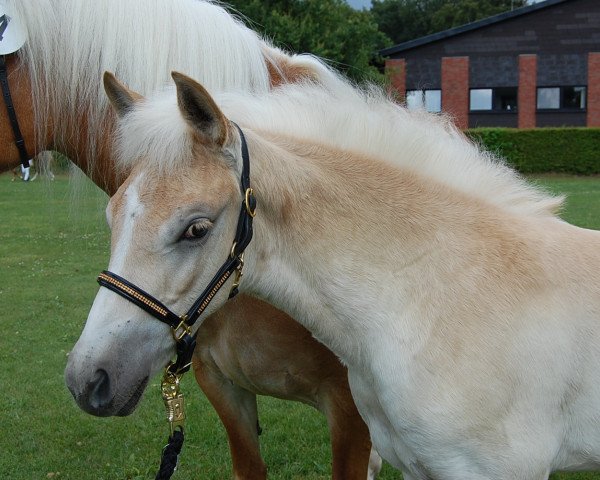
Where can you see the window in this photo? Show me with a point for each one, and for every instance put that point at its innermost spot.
(548, 98)
(554, 98)
(433, 100)
(574, 97)
(481, 99)
(430, 100)
(503, 99)
(414, 99)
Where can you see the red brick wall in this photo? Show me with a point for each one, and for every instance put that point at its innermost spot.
(593, 90)
(455, 89)
(395, 70)
(527, 97)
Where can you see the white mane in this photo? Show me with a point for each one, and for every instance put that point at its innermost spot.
(363, 121)
(72, 42)
(368, 122)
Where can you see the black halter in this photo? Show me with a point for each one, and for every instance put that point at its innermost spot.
(181, 325)
(12, 115)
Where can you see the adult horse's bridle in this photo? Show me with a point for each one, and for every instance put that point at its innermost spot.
(8, 102)
(181, 325)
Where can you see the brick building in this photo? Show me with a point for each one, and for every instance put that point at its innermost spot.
(535, 66)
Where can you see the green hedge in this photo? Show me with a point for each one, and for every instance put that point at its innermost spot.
(541, 150)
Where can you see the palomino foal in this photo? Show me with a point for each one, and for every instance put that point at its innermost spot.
(466, 311)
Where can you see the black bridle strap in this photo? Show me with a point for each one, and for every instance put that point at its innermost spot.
(139, 297)
(181, 325)
(159, 310)
(243, 234)
(12, 115)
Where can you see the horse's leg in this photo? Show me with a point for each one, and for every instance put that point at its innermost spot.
(375, 464)
(49, 172)
(237, 410)
(44, 164)
(35, 169)
(350, 440)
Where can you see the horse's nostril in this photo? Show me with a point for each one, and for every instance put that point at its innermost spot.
(99, 390)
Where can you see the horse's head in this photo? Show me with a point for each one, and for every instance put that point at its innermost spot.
(173, 222)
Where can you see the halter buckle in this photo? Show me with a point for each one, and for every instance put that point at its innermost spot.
(250, 202)
(238, 275)
(184, 327)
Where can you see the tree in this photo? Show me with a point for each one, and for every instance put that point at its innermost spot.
(331, 29)
(403, 20)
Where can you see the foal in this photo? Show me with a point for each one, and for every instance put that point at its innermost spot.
(466, 311)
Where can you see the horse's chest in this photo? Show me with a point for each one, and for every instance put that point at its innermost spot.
(390, 433)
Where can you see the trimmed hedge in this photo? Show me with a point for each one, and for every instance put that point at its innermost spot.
(541, 150)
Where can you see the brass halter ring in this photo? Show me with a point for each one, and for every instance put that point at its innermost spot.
(250, 211)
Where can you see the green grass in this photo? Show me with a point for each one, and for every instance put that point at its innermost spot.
(582, 206)
(52, 244)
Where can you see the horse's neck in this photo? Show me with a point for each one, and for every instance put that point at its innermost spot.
(69, 136)
(96, 162)
(332, 233)
(73, 140)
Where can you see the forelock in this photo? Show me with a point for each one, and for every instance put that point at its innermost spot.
(154, 132)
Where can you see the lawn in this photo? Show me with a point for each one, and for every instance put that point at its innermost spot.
(53, 242)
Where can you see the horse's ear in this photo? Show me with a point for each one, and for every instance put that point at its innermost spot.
(121, 98)
(200, 110)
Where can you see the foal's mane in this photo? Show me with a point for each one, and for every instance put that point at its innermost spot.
(72, 42)
(365, 121)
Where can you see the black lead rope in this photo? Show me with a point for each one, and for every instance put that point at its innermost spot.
(12, 115)
(170, 455)
(181, 326)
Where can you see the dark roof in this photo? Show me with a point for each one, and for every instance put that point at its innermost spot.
(468, 27)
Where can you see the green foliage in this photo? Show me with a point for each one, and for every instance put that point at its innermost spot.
(559, 150)
(330, 29)
(404, 20)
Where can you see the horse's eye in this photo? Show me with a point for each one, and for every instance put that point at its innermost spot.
(196, 230)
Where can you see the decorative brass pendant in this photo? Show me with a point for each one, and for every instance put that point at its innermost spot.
(174, 401)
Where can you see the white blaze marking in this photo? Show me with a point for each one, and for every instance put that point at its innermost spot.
(132, 210)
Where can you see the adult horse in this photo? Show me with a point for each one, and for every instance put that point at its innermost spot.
(466, 311)
(55, 87)
(55, 78)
